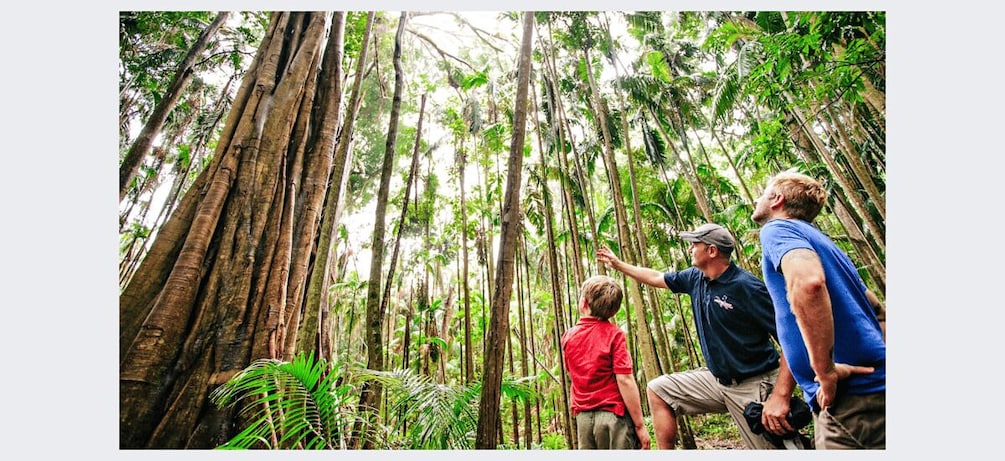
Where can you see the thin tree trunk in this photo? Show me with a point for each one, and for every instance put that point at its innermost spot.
(650, 365)
(412, 173)
(799, 127)
(685, 170)
(488, 410)
(469, 360)
(556, 291)
(183, 74)
(514, 409)
(852, 158)
(522, 283)
(370, 400)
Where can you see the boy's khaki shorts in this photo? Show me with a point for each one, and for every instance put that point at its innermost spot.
(602, 430)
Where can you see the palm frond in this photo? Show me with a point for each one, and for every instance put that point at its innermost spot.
(654, 144)
(438, 416)
(725, 96)
(289, 404)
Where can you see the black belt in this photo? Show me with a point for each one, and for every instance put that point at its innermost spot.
(741, 378)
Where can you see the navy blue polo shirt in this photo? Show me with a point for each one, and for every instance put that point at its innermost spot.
(734, 317)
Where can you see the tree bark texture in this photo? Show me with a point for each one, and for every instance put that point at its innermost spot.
(488, 410)
(316, 303)
(370, 399)
(220, 287)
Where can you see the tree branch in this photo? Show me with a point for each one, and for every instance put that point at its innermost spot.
(439, 50)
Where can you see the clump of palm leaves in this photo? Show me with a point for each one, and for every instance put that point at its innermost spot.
(297, 405)
(305, 404)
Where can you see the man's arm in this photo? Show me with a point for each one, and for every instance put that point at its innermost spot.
(651, 277)
(776, 406)
(806, 290)
(630, 393)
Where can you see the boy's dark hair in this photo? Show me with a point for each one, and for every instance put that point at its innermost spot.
(603, 295)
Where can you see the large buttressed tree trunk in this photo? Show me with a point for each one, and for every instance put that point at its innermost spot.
(223, 282)
(488, 411)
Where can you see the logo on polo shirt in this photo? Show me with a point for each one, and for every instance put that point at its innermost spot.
(723, 303)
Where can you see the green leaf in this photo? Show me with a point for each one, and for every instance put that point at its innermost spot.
(474, 80)
(658, 65)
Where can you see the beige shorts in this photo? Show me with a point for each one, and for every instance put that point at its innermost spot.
(852, 422)
(697, 391)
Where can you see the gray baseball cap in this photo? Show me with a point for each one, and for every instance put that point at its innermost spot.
(712, 234)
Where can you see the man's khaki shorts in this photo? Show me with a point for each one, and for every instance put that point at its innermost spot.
(852, 422)
(698, 391)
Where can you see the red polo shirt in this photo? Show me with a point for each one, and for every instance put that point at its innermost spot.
(594, 351)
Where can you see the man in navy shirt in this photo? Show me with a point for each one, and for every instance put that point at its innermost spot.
(735, 321)
(831, 328)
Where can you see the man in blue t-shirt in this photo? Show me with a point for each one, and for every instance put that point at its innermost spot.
(831, 328)
(735, 322)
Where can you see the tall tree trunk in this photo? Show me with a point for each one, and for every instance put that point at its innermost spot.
(852, 158)
(684, 169)
(316, 333)
(469, 360)
(197, 313)
(310, 199)
(514, 408)
(412, 173)
(488, 410)
(650, 366)
(370, 400)
(183, 74)
(810, 144)
(555, 286)
(563, 136)
(522, 283)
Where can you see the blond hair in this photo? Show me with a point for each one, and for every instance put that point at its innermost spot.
(804, 196)
(603, 295)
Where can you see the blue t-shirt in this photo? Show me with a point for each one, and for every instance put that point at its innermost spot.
(858, 339)
(734, 318)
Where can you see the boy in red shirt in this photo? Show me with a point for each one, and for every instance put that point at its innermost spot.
(603, 386)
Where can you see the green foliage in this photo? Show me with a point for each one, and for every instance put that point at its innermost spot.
(475, 80)
(655, 147)
(769, 140)
(658, 65)
(433, 416)
(726, 94)
(306, 404)
(496, 136)
(355, 27)
(553, 441)
(716, 426)
(644, 23)
(299, 404)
